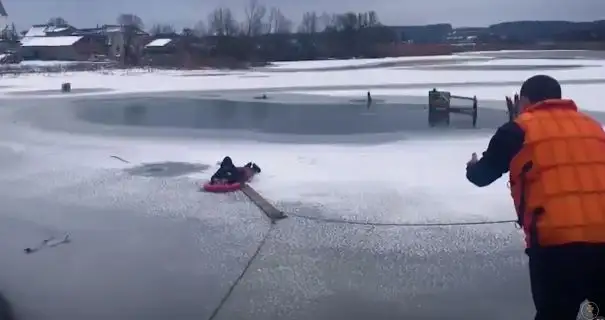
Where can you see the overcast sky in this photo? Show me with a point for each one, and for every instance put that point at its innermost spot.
(182, 13)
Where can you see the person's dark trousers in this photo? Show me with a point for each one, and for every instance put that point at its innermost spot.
(562, 277)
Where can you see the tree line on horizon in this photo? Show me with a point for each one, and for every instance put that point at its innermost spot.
(266, 34)
(258, 20)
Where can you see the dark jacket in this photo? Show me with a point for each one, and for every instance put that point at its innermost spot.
(228, 171)
(503, 147)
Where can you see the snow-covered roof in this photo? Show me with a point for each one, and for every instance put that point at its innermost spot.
(49, 41)
(41, 30)
(112, 29)
(158, 43)
(56, 29)
(36, 31)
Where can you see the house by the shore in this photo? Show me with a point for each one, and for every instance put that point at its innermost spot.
(67, 43)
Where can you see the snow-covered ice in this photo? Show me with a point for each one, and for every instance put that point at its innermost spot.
(344, 179)
(145, 247)
(582, 94)
(317, 64)
(142, 81)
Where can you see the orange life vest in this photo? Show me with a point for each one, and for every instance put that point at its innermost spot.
(557, 180)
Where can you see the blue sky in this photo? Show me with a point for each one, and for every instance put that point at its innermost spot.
(182, 13)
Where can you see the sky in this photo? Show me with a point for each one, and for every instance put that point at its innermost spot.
(185, 13)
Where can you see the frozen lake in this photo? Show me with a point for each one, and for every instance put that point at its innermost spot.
(118, 170)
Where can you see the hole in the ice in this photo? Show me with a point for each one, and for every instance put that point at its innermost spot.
(320, 119)
(166, 169)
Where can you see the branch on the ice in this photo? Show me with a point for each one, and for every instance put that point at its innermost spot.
(48, 243)
(118, 158)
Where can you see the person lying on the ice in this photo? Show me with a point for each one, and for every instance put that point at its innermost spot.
(229, 173)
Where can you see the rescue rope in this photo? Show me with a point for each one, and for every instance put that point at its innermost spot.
(242, 274)
(387, 224)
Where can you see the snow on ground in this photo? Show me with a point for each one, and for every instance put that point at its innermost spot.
(42, 63)
(532, 62)
(39, 63)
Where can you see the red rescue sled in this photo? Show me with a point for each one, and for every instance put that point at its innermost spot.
(222, 188)
(228, 187)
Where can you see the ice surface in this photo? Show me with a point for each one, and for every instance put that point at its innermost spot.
(156, 248)
(314, 64)
(361, 188)
(129, 81)
(535, 62)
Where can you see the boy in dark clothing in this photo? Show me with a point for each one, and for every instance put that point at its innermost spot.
(229, 173)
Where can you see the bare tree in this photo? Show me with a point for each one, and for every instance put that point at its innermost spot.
(324, 21)
(222, 23)
(308, 23)
(373, 20)
(255, 12)
(278, 23)
(131, 24)
(10, 33)
(188, 32)
(57, 21)
(130, 19)
(200, 29)
(348, 21)
(162, 29)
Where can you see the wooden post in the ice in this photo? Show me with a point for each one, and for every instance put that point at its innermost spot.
(475, 111)
(439, 107)
(467, 110)
(66, 87)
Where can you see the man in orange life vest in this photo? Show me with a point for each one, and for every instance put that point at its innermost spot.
(555, 156)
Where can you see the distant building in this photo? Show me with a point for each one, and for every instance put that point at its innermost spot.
(429, 34)
(118, 38)
(173, 51)
(64, 42)
(64, 48)
(466, 37)
(45, 30)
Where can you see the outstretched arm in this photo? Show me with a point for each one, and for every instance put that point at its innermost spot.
(502, 148)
